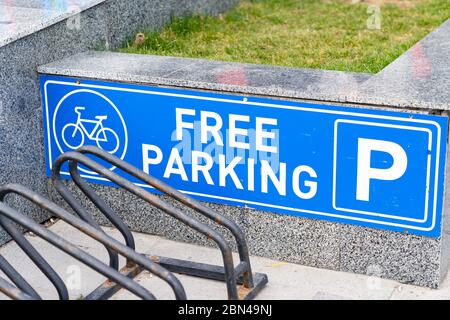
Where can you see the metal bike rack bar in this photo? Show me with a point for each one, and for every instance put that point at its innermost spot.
(23, 290)
(13, 292)
(241, 282)
(9, 215)
(34, 255)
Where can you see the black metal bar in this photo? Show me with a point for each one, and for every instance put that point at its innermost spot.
(111, 215)
(235, 230)
(17, 278)
(201, 270)
(153, 200)
(241, 270)
(191, 268)
(261, 281)
(87, 217)
(94, 233)
(34, 255)
(12, 292)
(74, 251)
(196, 269)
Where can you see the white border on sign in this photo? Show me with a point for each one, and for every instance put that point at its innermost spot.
(427, 187)
(268, 105)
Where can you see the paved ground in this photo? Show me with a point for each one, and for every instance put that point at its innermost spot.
(286, 281)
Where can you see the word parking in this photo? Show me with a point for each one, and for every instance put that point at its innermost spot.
(203, 162)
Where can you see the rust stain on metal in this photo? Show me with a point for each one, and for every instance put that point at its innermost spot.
(243, 292)
(130, 265)
(108, 283)
(155, 259)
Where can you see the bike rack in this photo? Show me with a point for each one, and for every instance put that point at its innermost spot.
(250, 284)
(24, 291)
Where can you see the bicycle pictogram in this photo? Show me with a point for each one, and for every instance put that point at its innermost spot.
(75, 134)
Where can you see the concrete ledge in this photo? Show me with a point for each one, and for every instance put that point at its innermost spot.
(21, 18)
(415, 80)
(311, 84)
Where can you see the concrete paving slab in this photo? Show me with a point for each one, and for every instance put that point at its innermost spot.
(286, 280)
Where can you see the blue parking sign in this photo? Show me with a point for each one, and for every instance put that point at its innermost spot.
(373, 168)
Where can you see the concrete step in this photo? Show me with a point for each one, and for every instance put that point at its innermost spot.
(21, 18)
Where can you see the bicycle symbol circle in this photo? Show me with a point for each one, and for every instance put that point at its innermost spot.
(87, 117)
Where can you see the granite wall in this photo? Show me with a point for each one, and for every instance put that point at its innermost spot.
(56, 35)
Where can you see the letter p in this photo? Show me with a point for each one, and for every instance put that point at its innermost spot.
(365, 173)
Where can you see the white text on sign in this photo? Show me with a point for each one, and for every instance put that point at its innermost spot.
(303, 177)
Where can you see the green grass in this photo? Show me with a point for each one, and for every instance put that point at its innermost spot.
(326, 34)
